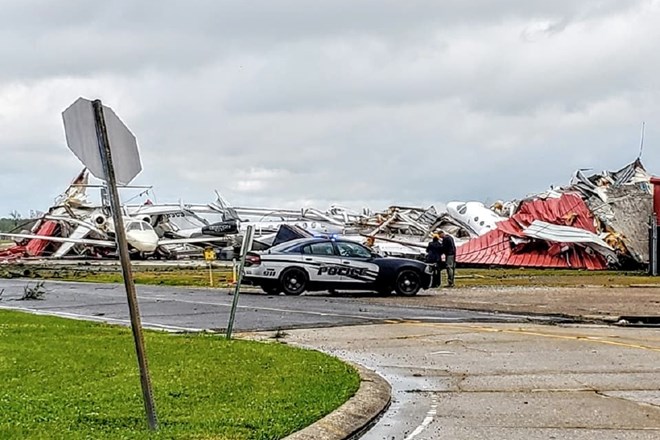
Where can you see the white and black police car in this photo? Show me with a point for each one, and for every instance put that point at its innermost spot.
(332, 264)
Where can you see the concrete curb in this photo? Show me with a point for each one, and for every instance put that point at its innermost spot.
(355, 416)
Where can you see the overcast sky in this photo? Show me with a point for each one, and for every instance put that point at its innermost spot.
(358, 102)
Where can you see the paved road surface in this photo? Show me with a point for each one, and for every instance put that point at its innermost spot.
(208, 309)
(502, 381)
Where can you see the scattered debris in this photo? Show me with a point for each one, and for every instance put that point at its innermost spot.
(36, 292)
(75, 227)
(597, 221)
(279, 334)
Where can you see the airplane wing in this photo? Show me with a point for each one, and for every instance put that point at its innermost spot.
(80, 223)
(79, 233)
(135, 211)
(91, 242)
(166, 241)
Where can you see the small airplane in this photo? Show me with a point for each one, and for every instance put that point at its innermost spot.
(267, 221)
(474, 216)
(142, 238)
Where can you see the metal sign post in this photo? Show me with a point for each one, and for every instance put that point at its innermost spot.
(653, 257)
(209, 256)
(94, 133)
(247, 244)
(122, 247)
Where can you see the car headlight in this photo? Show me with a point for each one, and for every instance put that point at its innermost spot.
(428, 269)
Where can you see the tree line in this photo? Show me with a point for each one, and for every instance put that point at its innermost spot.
(14, 221)
(6, 224)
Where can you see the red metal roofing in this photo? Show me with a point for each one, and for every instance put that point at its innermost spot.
(13, 253)
(495, 247)
(35, 246)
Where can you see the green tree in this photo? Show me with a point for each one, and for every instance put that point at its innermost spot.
(16, 217)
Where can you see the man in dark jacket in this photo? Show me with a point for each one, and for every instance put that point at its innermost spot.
(449, 250)
(434, 258)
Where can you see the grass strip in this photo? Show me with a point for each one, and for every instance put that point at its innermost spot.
(471, 277)
(222, 277)
(65, 379)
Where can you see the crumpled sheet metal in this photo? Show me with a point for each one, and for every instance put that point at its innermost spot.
(568, 210)
(12, 253)
(34, 247)
(625, 218)
(496, 247)
(568, 234)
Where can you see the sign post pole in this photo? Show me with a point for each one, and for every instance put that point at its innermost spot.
(122, 247)
(247, 244)
(209, 256)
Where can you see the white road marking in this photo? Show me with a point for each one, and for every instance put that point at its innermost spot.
(427, 420)
(270, 309)
(80, 316)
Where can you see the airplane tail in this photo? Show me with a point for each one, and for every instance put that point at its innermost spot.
(76, 193)
(228, 213)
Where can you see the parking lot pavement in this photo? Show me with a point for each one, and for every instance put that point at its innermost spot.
(589, 302)
(505, 381)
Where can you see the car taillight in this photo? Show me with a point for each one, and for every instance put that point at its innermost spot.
(252, 260)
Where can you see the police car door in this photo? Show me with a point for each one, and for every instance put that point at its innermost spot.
(321, 262)
(356, 263)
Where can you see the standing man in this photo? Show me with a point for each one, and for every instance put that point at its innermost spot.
(449, 249)
(434, 258)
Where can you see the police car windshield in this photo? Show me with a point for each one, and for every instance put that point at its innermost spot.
(352, 250)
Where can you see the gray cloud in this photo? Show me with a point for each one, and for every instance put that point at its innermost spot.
(370, 102)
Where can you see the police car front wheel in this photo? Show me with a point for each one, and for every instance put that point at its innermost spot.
(293, 281)
(408, 282)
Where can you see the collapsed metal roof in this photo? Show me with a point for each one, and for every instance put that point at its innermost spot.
(612, 209)
(508, 245)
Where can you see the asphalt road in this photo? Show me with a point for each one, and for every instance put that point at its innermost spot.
(196, 309)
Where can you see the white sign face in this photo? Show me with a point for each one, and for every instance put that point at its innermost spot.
(80, 130)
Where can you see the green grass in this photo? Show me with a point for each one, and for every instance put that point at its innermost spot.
(466, 277)
(163, 277)
(198, 278)
(65, 379)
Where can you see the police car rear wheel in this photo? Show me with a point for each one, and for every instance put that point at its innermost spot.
(408, 283)
(293, 281)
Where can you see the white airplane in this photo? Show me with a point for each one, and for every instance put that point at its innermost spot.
(267, 221)
(474, 216)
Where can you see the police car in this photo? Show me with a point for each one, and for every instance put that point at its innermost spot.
(332, 264)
